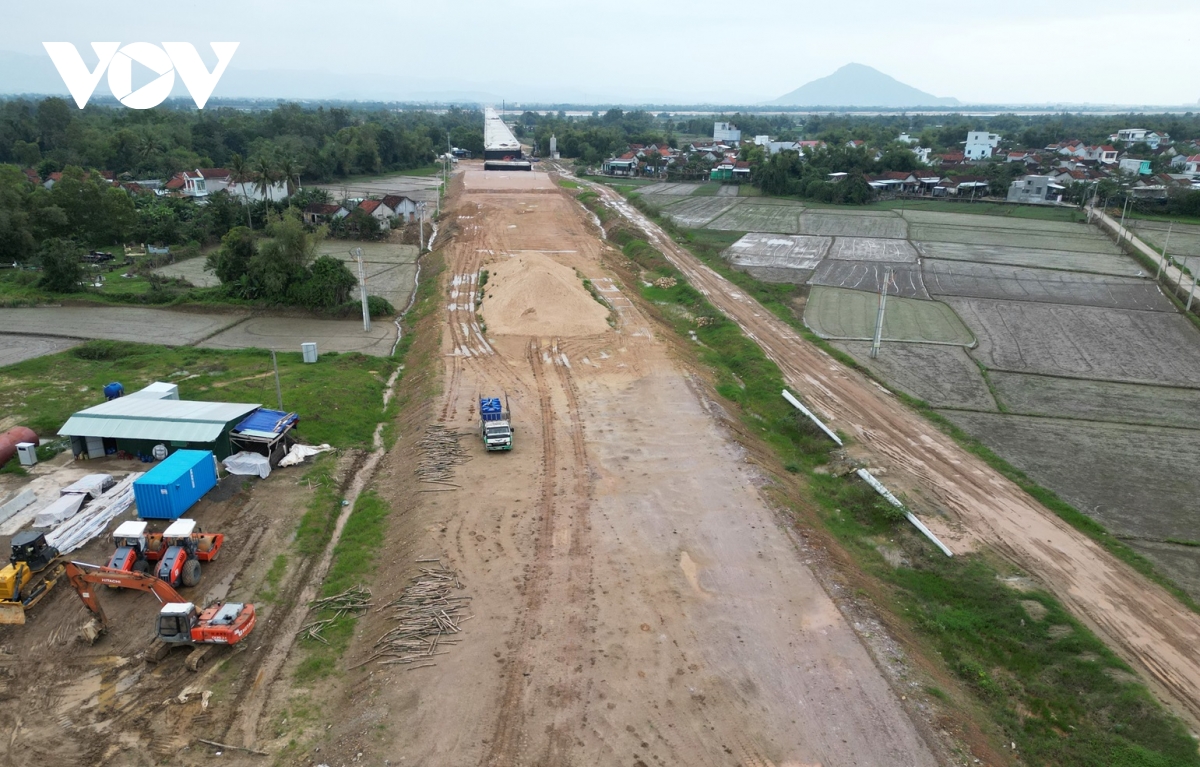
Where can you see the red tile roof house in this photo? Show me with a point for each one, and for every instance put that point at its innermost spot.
(32, 175)
(318, 213)
(380, 212)
(402, 207)
(952, 158)
(53, 178)
(202, 182)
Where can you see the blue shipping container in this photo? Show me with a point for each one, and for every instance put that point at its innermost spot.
(174, 486)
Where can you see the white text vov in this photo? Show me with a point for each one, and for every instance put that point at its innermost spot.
(118, 60)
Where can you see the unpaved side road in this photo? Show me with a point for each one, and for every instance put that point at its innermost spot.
(635, 601)
(1137, 618)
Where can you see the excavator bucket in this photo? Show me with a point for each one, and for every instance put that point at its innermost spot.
(12, 614)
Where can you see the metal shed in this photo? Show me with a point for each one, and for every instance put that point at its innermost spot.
(136, 424)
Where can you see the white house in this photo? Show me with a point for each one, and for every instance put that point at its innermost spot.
(922, 153)
(980, 144)
(1192, 166)
(1137, 135)
(277, 191)
(762, 140)
(904, 138)
(1134, 166)
(1035, 189)
(726, 132)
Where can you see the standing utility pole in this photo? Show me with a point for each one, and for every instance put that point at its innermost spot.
(278, 389)
(1164, 253)
(421, 227)
(1123, 209)
(362, 289)
(883, 291)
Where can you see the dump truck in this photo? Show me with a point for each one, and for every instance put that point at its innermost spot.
(20, 585)
(494, 425)
(180, 623)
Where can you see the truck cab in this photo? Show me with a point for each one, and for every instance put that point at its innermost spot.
(178, 563)
(129, 540)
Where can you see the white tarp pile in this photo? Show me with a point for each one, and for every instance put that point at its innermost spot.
(95, 518)
(61, 508)
(298, 453)
(92, 484)
(248, 464)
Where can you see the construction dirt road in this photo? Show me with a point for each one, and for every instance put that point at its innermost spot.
(965, 500)
(634, 598)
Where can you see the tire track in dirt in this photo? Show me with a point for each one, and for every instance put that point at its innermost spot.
(506, 743)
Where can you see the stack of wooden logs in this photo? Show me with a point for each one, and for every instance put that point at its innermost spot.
(352, 600)
(440, 453)
(426, 617)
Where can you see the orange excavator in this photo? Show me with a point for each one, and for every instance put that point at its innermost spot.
(180, 622)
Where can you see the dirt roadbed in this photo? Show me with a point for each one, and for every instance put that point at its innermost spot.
(635, 600)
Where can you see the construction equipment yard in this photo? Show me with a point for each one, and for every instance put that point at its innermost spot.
(621, 587)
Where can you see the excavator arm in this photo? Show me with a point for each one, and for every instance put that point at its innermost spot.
(82, 575)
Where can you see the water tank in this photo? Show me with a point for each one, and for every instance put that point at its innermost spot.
(113, 390)
(10, 438)
(309, 350)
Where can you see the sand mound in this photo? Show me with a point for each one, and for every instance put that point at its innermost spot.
(532, 295)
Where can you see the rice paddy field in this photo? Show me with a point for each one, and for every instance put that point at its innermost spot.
(1040, 338)
(973, 280)
(837, 313)
(905, 280)
(873, 249)
(696, 212)
(1086, 400)
(1083, 341)
(1067, 260)
(943, 376)
(754, 217)
(843, 225)
(1132, 479)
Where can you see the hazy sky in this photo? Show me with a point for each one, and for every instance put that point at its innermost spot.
(1031, 51)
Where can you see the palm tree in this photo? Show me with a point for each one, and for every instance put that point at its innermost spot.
(289, 174)
(238, 167)
(264, 166)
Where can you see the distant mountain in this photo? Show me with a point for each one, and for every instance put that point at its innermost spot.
(857, 85)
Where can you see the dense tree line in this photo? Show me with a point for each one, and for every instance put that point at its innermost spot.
(326, 143)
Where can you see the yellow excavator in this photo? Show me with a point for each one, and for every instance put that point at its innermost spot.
(21, 586)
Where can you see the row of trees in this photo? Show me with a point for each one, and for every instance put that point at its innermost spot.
(329, 143)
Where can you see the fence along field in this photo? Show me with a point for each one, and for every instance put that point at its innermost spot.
(835, 313)
(967, 279)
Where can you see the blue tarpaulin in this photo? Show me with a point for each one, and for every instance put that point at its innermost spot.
(266, 424)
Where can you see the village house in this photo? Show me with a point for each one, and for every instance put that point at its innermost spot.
(320, 213)
(403, 208)
(1140, 135)
(1134, 166)
(980, 144)
(378, 211)
(1038, 190)
(1191, 165)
